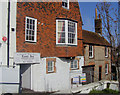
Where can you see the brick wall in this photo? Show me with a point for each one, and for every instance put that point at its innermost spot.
(99, 59)
(46, 12)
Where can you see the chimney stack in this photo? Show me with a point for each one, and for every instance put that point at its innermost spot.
(98, 23)
(95, 13)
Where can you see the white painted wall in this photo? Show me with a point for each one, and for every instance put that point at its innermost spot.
(8, 75)
(59, 81)
(9, 81)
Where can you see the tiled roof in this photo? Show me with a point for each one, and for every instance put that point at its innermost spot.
(94, 38)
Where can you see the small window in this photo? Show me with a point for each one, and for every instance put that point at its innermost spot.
(106, 52)
(106, 68)
(65, 4)
(30, 29)
(90, 51)
(50, 65)
(74, 64)
(66, 32)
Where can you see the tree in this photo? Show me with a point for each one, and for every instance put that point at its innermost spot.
(109, 16)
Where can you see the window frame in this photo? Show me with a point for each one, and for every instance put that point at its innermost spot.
(90, 51)
(35, 29)
(74, 67)
(66, 32)
(106, 51)
(53, 60)
(67, 4)
(106, 69)
(50, 66)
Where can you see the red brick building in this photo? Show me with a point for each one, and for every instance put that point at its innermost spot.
(49, 45)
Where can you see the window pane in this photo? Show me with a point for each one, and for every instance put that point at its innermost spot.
(61, 26)
(50, 65)
(30, 21)
(27, 26)
(71, 64)
(33, 21)
(27, 20)
(65, 4)
(32, 32)
(32, 38)
(27, 32)
(71, 32)
(30, 26)
(27, 37)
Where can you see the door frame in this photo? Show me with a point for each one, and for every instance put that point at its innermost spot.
(99, 72)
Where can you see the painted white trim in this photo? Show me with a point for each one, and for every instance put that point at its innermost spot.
(91, 51)
(67, 6)
(106, 69)
(66, 33)
(52, 67)
(35, 35)
(106, 52)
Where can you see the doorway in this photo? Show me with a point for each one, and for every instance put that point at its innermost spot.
(100, 73)
(25, 76)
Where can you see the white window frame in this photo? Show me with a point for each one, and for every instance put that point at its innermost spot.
(91, 51)
(35, 29)
(74, 67)
(106, 51)
(66, 33)
(51, 66)
(67, 4)
(106, 69)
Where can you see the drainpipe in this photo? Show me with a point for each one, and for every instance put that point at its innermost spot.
(8, 32)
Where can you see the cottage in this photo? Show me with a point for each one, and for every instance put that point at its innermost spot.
(97, 54)
(49, 48)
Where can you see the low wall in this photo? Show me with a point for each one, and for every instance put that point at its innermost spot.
(97, 86)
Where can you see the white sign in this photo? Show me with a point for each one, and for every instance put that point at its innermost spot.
(76, 79)
(26, 58)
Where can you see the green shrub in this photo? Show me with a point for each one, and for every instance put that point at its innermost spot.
(105, 91)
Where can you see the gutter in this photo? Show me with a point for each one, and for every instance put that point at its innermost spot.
(8, 32)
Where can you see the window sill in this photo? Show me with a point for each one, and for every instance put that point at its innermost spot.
(91, 57)
(65, 8)
(106, 56)
(30, 42)
(49, 72)
(74, 68)
(66, 45)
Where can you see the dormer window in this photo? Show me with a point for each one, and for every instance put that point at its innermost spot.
(65, 4)
(66, 32)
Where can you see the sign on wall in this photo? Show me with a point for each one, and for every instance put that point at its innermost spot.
(76, 79)
(26, 58)
(83, 77)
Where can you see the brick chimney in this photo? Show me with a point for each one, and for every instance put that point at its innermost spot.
(98, 23)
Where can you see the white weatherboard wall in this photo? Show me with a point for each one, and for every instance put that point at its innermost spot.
(9, 77)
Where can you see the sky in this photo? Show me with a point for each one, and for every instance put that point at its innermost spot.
(87, 10)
